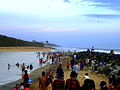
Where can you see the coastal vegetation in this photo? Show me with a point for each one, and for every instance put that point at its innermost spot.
(6, 41)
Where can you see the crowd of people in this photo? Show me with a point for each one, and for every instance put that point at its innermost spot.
(59, 83)
(73, 83)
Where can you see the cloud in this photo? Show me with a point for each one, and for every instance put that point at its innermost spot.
(102, 16)
(54, 8)
(111, 4)
(66, 1)
(51, 29)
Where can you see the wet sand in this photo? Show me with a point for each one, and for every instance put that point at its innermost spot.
(25, 49)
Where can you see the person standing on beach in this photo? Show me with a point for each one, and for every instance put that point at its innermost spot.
(42, 82)
(68, 64)
(76, 69)
(59, 83)
(72, 63)
(50, 76)
(89, 84)
(93, 65)
(26, 79)
(103, 85)
(81, 65)
(75, 56)
(60, 70)
(72, 83)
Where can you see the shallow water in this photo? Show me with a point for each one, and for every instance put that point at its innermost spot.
(14, 73)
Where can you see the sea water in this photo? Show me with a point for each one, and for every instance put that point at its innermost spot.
(14, 73)
(117, 51)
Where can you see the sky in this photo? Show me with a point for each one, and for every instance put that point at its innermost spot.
(69, 23)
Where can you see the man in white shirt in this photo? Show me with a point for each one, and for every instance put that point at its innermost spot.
(76, 68)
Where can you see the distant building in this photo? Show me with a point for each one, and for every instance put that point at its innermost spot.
(47, 44)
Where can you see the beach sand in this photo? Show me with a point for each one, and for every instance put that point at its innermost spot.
(37, 73)
(25, 49)
(96, 77)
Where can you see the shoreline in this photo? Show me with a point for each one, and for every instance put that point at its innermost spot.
(11, 85)
(25, 49)
(34, 75)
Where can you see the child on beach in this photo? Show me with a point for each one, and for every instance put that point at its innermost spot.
(21, 86)
(49, 77)
(17, 87)
(86, 76)
(68, 64)
(81, 66)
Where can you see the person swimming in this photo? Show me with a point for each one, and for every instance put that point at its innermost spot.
(9, 66)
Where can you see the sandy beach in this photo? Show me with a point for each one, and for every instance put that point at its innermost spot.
(96, 77)
(37, 73)
(25, 49)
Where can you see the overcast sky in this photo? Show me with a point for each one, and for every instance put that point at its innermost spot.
(70, 23)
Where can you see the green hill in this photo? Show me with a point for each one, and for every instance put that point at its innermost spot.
(10, 42)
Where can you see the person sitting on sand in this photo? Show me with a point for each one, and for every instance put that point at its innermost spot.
(59, 83)
(86, 76)
(72, 83)
(42, 82)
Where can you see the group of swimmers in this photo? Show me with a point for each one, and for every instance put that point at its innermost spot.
(23, 66)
